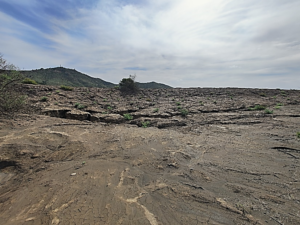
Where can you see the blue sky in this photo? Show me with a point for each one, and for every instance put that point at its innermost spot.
(183, 43)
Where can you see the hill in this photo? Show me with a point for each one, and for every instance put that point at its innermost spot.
(70, 77)
(152, 85)
(64, 76)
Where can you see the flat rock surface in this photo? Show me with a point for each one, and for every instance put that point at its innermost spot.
(219, 164)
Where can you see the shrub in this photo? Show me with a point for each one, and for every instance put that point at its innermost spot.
(178, 103)
(29, 81)
(184, 112)
(298, 134)
(127, 116)
(66, 88)
(44, 99)
(77, 104)
(145, 124)
(155, 110)
(80, 106)
(258, 107)
(128, 85)
(11, 99)
(268, 111)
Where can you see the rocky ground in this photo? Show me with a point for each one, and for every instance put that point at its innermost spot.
(178, 156)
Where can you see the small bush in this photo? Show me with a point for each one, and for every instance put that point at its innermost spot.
(76, 104)
(184, 112)
(145, 124)
(109, 108)
(268, 111)
(258, 107)
(127, 116)
(80, 106)
(44, 99)
(298, 134)
(128, 85)
(155, 110)
(279, 104)
(66, 88)
(178, 103)
(29, 81)
(11, 99)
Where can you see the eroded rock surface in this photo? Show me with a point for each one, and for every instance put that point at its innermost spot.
(219, 164)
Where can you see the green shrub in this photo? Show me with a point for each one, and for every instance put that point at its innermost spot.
(127, 116)
(80, 106)
(178, 103)
(298, 134)
(279, 104)
(184, 112)
(128, 85)
(29, 81)
(11, 99)
(145, 124)
(109, 108)
(258, 107)
(66, 88)
(155, 110)
(268, 111)
(76, 104)
(44, 99)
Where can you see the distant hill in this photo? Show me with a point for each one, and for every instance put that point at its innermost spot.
(70, 77)
(63, 76)
(152, 85)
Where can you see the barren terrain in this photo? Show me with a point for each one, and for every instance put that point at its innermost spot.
(187, 156)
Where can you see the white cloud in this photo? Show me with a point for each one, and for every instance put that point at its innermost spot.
(181, 42)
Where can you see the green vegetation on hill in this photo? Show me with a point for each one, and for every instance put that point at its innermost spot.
(68, 77)
(59, 76)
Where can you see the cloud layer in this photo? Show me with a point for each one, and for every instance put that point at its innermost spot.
(185, 43)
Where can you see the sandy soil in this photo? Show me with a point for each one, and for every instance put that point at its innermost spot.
(220, 164)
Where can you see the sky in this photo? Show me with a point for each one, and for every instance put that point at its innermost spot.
(182, 43)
